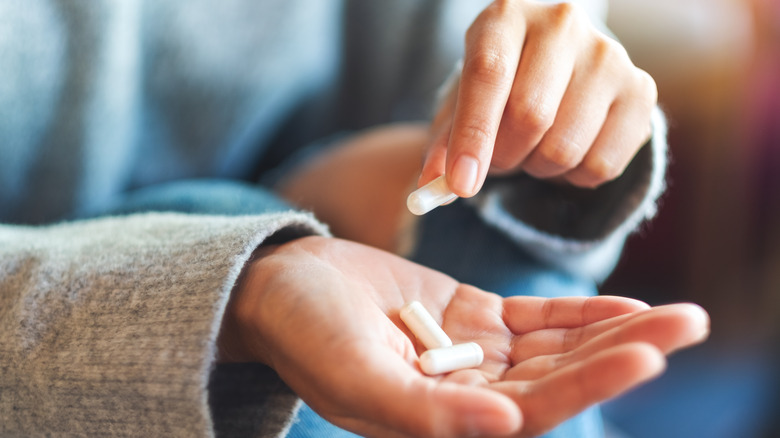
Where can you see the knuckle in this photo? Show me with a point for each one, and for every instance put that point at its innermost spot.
(538, 121)
(572, 338)
(535, 117)
(564, 15)
(601, 51)
(610, 54)
(561, 154)
(494, 12)
(548, 310)
(617, 50)
(476, 132)
(599, 170)
(647, 88)
(489, 66)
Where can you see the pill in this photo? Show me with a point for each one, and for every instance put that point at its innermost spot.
(456, 357)
(424, 327)
(430, 196)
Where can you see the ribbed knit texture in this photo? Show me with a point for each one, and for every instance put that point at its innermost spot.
(109, 325)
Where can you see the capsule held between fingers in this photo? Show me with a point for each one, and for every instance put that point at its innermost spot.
(430, 196)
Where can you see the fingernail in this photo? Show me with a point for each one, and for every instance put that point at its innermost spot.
(464, 175)
(701, 321)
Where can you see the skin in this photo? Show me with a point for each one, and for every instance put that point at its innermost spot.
(544, 92)
(541, 92)
(323, 313)
(359, 188)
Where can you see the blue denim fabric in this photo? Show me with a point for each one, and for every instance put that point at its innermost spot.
(452, 239)
(310, 425)
(205, 196)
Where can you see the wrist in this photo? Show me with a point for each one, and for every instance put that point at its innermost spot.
(239, 339)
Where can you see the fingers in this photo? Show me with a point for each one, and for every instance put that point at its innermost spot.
(550, 400)
(602, 121)
(441, 126)
(583, 110)
(554, 342)
(527, 314)
(542, 79)
(625, 130)
(493, 46)
(541, 91)
(668, 328)
(399, 399)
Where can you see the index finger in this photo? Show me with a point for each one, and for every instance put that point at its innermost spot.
(493, 46)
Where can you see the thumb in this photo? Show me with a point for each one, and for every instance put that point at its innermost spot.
(436, 156)
(400, 398)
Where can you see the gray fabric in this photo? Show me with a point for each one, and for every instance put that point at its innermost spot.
(249, 400)
(109, 325)
(578, 230)
(102, 97)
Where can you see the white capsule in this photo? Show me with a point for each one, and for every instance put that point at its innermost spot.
(422, 324)
(430, 196)
(446, 359)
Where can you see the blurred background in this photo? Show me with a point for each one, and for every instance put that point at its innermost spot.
(716, 240)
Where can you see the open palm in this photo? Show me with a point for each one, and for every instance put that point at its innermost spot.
(324, 314)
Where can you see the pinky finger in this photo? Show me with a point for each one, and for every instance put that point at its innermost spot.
(549, 401)
(626, 129)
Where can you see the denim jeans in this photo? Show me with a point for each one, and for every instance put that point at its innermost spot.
(452, 239)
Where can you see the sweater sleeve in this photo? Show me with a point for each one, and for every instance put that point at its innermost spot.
(108, 326)
(579, 230)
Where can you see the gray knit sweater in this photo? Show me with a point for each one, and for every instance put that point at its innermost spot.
(109, 327)
(108, 324)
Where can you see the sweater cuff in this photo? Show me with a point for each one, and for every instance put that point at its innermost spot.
(111, 325)
(580, 230)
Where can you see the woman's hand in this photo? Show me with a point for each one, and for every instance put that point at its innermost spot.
(323, 313)
(544, 92)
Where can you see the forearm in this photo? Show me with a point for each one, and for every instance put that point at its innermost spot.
(359, 187)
